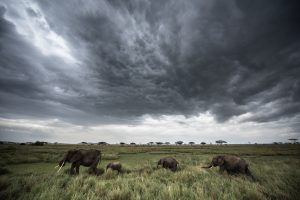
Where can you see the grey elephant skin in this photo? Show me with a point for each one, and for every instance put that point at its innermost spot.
(231, 164)
(168, 163)
(114, 166)
(88, 158)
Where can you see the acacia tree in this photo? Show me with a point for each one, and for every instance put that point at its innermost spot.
(179, 142)
(220, 142)
(102, 143)
(203, 143)
(293, 139)
(38, 143)
(122, 143)
(159, 143)
(191, 143)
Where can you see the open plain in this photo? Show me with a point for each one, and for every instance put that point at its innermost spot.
(27, 172)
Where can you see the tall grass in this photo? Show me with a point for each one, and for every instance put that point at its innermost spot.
(275, 167)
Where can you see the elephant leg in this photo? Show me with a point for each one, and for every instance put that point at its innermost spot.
(93, 167)
(77, 168)
(230, 172)
(242, 170)
(173, 169)
(222, 169)
(72, 168)
(91, 170)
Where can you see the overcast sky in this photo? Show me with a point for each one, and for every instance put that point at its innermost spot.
(147, 70)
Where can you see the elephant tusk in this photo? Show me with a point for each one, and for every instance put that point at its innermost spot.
(56, 166)
(207, 167)
(60, 167)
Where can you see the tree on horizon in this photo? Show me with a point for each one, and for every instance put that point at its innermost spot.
(293, 139)
(220, 141)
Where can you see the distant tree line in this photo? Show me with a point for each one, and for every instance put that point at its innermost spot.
(41, 143)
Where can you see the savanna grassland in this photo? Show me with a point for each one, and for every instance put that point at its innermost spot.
(27, 172)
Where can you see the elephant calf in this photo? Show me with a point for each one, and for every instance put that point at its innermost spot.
(168, 163)
(231, 164)
(114, 166)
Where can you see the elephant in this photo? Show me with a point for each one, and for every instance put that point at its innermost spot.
(231, 164)
(89, 158)
(168, 163)
(114, 166)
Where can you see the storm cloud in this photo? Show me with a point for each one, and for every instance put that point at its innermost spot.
(114, 62)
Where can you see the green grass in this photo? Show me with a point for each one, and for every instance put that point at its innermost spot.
(27, 172)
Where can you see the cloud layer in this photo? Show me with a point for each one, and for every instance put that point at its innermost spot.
(115, 62)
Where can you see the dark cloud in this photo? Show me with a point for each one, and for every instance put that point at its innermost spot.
(155, 57)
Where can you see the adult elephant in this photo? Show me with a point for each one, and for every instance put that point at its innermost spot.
(168, 163)
(88, 158)
(231, 164)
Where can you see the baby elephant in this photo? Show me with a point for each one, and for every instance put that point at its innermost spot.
(232, 164)
(168, 163)
(114, 166)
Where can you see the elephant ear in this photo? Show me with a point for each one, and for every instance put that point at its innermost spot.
(75, 157)
(221, 160)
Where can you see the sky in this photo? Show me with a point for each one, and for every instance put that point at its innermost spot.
(146, 70)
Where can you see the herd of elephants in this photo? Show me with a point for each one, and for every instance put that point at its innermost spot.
(91, 158)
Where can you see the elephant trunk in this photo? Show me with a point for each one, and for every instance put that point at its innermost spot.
(61, 163)
(61, 166)
(158, 165)
(209, 166)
